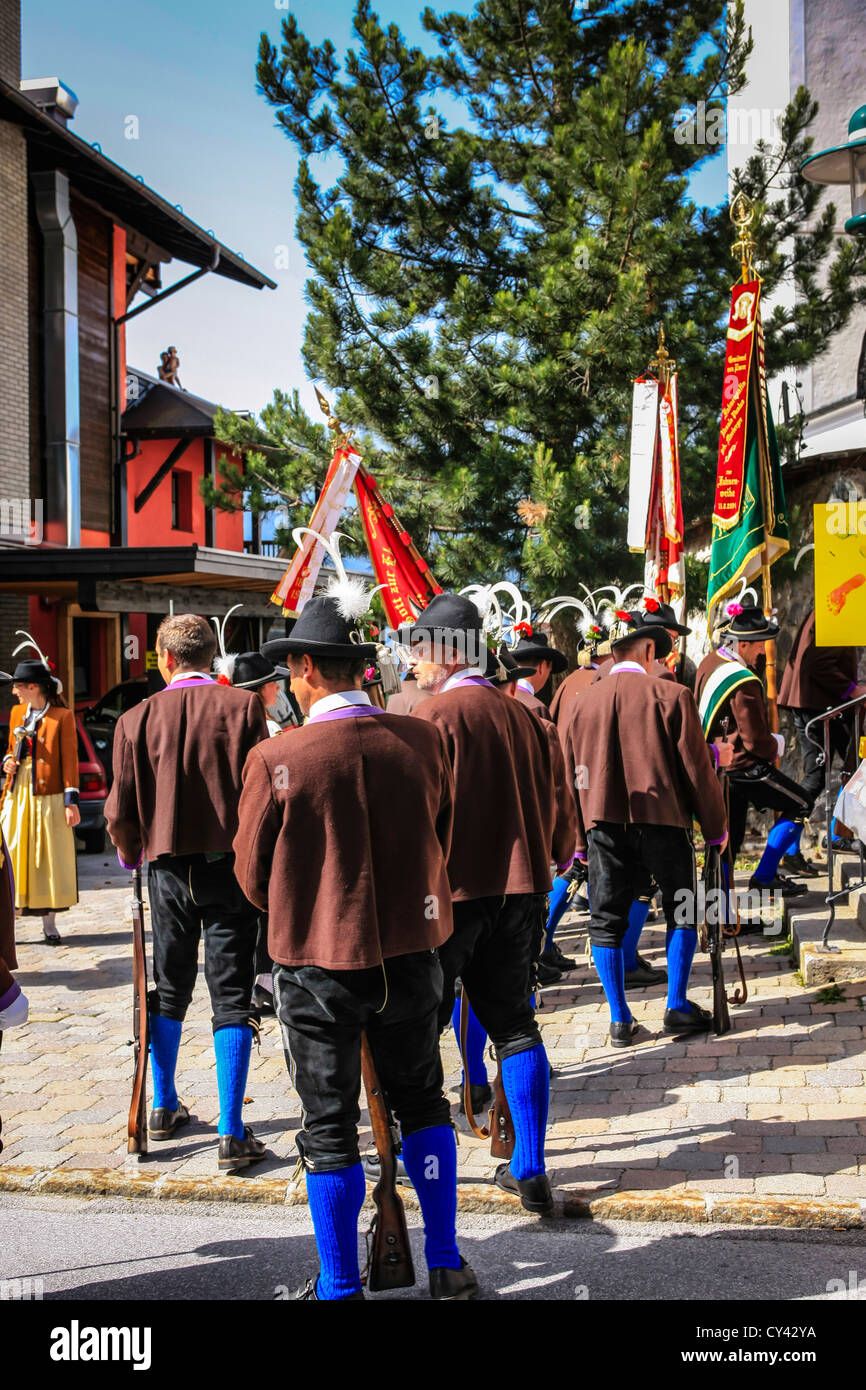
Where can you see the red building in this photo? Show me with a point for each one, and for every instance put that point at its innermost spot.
(102, 523)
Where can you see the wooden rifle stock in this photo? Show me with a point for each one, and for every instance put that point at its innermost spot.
(390, 1262)
(500, 1127)
(137, 1122)
(716, 894)
(9, 779)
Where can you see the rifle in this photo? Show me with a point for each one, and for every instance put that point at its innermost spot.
(500, 1126)
(137, 1123)
(389, 1264)
(715, 893)
(9, 779)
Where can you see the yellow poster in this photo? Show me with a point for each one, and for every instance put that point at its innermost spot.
(840, 573)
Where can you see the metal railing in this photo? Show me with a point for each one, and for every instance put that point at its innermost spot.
(825, 758)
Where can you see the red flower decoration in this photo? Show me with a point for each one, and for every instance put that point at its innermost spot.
(223, 680)
(622, 615)
(734, 610)
(651, 605)
(524, 629)
(370, 673)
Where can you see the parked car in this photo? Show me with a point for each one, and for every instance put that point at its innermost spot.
(93, 788)
(100, 719)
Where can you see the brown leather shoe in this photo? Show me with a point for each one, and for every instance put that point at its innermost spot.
(238, 1153)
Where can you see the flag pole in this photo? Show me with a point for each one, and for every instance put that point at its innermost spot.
(742, 213)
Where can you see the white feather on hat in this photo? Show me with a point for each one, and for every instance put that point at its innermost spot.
(349, 593)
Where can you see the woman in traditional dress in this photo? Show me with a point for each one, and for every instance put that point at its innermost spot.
(40, 799)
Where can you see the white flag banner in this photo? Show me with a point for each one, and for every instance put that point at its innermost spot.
(299, 581)
(644, 428)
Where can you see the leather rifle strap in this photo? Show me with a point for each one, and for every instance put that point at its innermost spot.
(480, 1131)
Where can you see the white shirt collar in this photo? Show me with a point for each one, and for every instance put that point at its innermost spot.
(460, 676)
(524, 685)
(187, 675)
(626, 666)
(339, 701)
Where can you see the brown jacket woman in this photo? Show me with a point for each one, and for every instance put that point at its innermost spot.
(55, 766)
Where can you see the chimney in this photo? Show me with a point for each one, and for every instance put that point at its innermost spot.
(10, 41)
(51, 96)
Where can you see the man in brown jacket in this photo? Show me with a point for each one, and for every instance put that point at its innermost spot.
(642, 770)
(178, 759)
(510, 819)
(816, 679)
(730, 696)
(343, 833)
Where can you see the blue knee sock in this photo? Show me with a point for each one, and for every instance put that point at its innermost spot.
(232, 1046)
(681, 944)
(164, 1044)
(637, 915)
(557, 903)
(476, 1040)
(430, 1159)
(526, 1082)
(609, 963)
(783, 834)
(335, 1201)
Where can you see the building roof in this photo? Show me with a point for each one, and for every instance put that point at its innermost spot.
(161, 411)
(121, 194)
(57, 571)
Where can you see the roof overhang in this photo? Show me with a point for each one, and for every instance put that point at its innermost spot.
(121, 194)
(61, 573)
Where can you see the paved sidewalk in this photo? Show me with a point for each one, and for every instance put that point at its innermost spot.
(775, 1108)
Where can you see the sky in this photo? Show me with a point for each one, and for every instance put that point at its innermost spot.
(208, 141)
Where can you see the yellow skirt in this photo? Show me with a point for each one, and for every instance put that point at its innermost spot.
(41, 847)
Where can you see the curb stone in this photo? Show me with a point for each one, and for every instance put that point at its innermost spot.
(686, 1206)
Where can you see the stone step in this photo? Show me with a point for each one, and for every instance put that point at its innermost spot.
(807, 918)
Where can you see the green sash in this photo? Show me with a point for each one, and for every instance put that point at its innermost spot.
(719, 687)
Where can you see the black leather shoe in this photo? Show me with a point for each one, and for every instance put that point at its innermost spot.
(691, 1020)
(554, 958)
(453, 1285)
(645, 974)
(481, 1096)
(163, 1123)
(238, 1153)
(623, 1034)
(781, 887)
(796, 864)
(547, 974)
(308, 1294)
(373, 1169)
(262, 1001)
(534, 1193)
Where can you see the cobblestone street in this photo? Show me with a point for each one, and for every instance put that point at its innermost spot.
(773, 1108)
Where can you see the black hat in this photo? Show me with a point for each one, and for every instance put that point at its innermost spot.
(250, 670)
(321, 630)
(665, 615)
(750, 625)
(34, 673)
(506, 669)
(536, 647)
(449, 618)
(640, 624)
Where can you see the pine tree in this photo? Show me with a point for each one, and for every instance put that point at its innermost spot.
(484, 290)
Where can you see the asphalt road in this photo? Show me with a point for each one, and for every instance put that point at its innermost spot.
(137, 1250)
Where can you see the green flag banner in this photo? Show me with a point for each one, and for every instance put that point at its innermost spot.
(747, 450)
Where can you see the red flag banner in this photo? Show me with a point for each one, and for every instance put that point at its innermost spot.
(398, 565)
(739, 355)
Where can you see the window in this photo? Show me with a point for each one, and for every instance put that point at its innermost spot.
(181, 500)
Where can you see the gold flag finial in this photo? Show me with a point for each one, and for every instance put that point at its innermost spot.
(325, 407)
(663, 364)
(742, 216)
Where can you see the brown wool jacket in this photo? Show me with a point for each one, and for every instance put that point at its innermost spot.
(405, 700)
(514, 810)
(567, 693)
(532, 702)
(344, 829)
(817, 678)
(746, 712)
(635, 752)
(178, 762)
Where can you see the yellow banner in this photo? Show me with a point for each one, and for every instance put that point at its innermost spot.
(840, 574)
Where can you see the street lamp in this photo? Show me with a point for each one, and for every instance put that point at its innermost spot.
(845, 164)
